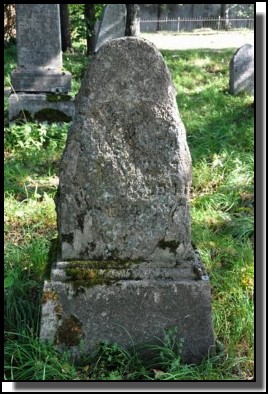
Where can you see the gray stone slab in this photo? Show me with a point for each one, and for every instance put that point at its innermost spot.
(126, 270)
(41, 107)
(112, 24)
(242, 71)
(126, 169)
(7, 91)
(39, 66)
(125, 305)
(42, 80)
(38, 35)
(39, 56)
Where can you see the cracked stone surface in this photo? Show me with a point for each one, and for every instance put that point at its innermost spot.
(126, 169)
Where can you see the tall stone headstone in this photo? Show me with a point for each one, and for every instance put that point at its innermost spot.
(112, 24)
(126, 268)
(242, 71)
(39, 84)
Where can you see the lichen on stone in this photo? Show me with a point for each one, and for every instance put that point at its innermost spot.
(70, 332)
(49, 295)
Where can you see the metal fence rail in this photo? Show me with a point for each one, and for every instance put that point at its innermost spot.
(190, 24)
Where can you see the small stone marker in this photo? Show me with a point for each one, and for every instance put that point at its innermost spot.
(127, 270)
(39, 73)
(112, 24)
(242, 71)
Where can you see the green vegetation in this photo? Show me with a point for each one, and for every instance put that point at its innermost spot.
(28, 359)
(10, 63)
(220, 132)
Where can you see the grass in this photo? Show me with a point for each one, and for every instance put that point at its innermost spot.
(220, 133)
(28, 359)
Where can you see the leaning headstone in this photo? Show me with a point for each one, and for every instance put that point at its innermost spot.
(126, 270)
(40, 86)
(242, 71)
(112, 24)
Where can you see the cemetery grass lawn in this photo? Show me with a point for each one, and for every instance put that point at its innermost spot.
(220, 133)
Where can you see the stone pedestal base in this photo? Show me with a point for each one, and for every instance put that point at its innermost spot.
(126, 303)
(40, 80)
(41, 107)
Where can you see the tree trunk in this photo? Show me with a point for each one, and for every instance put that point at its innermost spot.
(132, 20)
(192, 10)
(225, 15)
(159, 6)
(66, 42)
(90, 18)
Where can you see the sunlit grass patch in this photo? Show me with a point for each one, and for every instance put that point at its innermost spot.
(29, 216)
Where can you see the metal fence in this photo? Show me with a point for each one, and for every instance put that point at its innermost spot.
(190, 24)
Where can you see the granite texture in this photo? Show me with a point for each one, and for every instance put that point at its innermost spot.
(242, 71)
(125, 270)
(126, 169)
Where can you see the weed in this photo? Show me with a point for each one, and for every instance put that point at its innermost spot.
(28, 359)
(9, 63)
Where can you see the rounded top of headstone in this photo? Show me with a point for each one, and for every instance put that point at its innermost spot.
(245, 50)
(127, 69)
(242, 70)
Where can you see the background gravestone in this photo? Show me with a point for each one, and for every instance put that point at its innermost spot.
(126, 266)
(242, 71)
(112, 24)
(40, 85)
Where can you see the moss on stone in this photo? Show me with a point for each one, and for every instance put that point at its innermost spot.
(103, 264)
(51, 115)
(88, 273)
(79, 273)
(70, 332)
(87, 277)
(57, 97)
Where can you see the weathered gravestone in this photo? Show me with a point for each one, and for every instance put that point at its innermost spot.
(112, 24)
(39, 84)
(126, 268)
(242, 71)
